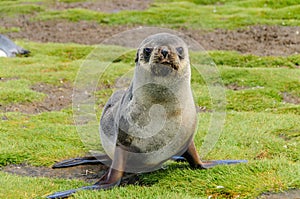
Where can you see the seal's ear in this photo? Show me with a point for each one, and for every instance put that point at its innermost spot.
(137, 57)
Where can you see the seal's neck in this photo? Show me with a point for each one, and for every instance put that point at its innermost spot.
(175, 81)
(164, 93)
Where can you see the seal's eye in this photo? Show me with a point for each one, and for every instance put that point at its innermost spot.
(147, 53)
(180, 52)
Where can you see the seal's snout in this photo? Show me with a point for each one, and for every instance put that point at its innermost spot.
(164, 52)
(164, 61)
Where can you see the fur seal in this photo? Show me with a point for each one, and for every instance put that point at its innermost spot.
(9, 49)
(154, 120)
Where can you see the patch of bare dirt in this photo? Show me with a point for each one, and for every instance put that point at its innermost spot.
(58, 97)
(288, 98)
(109, 6)
(258, 40)
(291, 194)
(88, 173)
(60, 31)
(236, 87)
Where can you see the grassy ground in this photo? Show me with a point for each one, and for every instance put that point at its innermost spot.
(189, 13)
(260, 125)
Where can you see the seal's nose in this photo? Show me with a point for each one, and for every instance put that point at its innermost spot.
(164, 52)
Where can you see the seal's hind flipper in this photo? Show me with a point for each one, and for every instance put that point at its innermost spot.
(111, 179)
(192, 157)
(63, 194)
(91, 160)
(212, 163)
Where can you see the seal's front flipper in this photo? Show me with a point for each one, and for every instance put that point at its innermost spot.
(100, 159)
(67, 193)
(108, 181)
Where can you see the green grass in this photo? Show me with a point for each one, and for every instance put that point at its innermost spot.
(8, 30)
(12, 8)
(235, 59)
(190, 15)
(29, 187)
(259, 126)
(246, 136)
(257, 122)
(38, 139)
(193, 14)
(16, 91)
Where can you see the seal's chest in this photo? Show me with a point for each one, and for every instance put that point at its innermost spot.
(149, 126)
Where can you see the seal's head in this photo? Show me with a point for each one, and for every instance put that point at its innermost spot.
(163, 54)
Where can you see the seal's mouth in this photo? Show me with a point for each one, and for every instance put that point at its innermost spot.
(169, 63)
(163, 60)
(163, 68)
